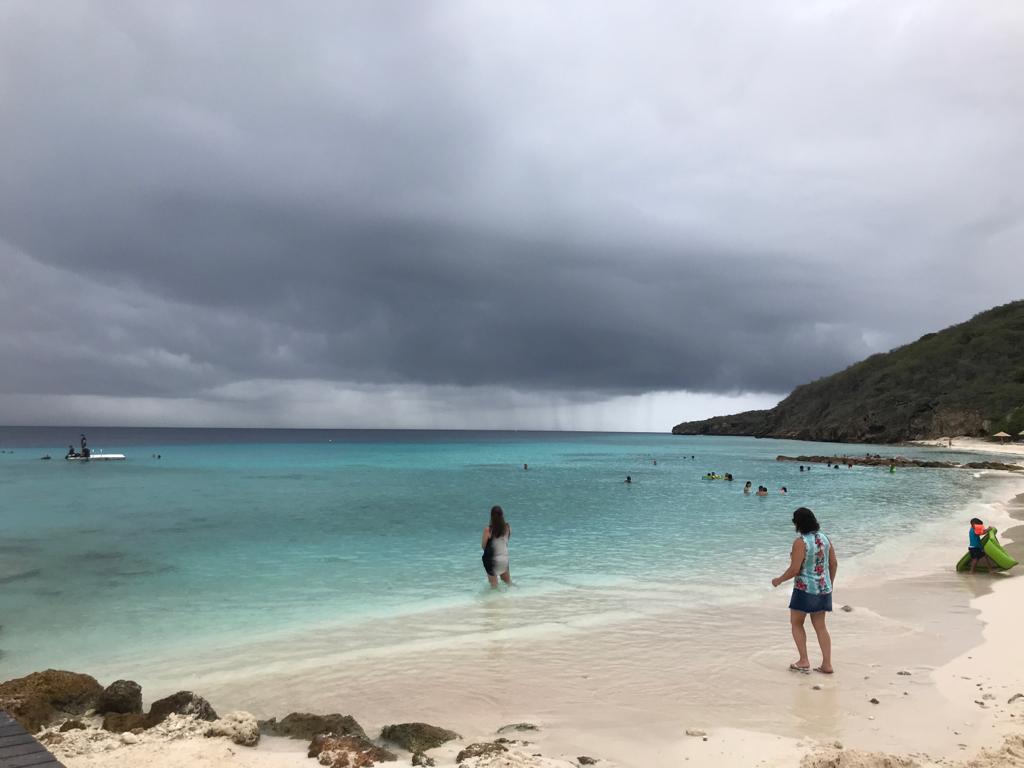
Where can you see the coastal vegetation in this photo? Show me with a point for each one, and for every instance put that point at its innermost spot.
(965, 380)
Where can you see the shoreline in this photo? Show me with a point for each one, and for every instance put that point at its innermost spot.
(964, 444)
(597, 696)
(926, 716)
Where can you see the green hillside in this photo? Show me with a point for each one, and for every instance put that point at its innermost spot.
(967, 379)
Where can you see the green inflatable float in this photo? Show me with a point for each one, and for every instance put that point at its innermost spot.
(995, 553)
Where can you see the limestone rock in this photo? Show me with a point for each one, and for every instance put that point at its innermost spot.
(417, 737)
(118, 723)
(241, 727)
(838, 758)
(36, 699)
(421, 759)
(303, 725)
(481, 749)
(695, 732)
(72, 725)
(347, 751)
(584, 760)
(129, 738)
(121, 697)
(181, 703)
(520, 727)
(31, 712)
(847, 608)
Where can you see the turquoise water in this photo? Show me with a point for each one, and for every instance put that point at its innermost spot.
(234, 536)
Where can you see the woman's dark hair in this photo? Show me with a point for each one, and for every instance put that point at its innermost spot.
(805, 521)
(498, 524)
(976, 521)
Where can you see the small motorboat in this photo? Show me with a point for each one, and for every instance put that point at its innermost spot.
(96, 457)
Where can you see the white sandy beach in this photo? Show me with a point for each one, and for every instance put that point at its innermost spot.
(1012, 449)
(937, 650)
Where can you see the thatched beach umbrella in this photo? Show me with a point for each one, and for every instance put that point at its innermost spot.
(1001, 435)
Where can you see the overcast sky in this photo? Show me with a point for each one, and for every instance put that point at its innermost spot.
(576, 215)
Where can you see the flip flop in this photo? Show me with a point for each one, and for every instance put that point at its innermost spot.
(824, 672)
(795, 668)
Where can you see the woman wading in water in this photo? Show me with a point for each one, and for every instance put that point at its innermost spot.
(495, 546)
(813, 563)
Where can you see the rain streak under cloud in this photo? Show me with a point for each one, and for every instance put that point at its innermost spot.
(447, 214)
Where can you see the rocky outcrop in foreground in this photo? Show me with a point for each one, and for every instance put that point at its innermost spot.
(39, 698)
(304, 725)
(180, 703)
(417, 737)
(75, 716)
(121, 697)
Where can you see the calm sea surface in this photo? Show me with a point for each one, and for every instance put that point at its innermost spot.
(234, 536)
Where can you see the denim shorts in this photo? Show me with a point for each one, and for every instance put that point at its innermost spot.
(808, 603)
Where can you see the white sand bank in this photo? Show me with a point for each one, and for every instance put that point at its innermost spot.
(1011, 450)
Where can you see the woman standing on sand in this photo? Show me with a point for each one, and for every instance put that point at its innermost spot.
(813, 563)
(495, 546)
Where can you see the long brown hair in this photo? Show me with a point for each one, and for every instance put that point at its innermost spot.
(498, 524)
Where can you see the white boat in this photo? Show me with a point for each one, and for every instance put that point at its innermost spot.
(97, 457)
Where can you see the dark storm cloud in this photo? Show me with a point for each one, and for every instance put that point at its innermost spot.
(703, 197)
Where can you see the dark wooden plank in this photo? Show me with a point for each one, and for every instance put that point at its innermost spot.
(19, 749)
(36, 760)
(16, 752)
(8, 742)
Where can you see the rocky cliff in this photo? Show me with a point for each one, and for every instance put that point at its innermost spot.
(965, 380)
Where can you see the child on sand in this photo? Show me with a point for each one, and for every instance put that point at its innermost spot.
(974, 547)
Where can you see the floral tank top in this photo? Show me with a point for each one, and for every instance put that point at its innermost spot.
(813, 577)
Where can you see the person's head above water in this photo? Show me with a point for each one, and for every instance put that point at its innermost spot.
(498, 523)
(805, 521)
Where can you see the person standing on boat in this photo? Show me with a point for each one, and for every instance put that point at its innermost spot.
(495, 546)
(85, 449)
